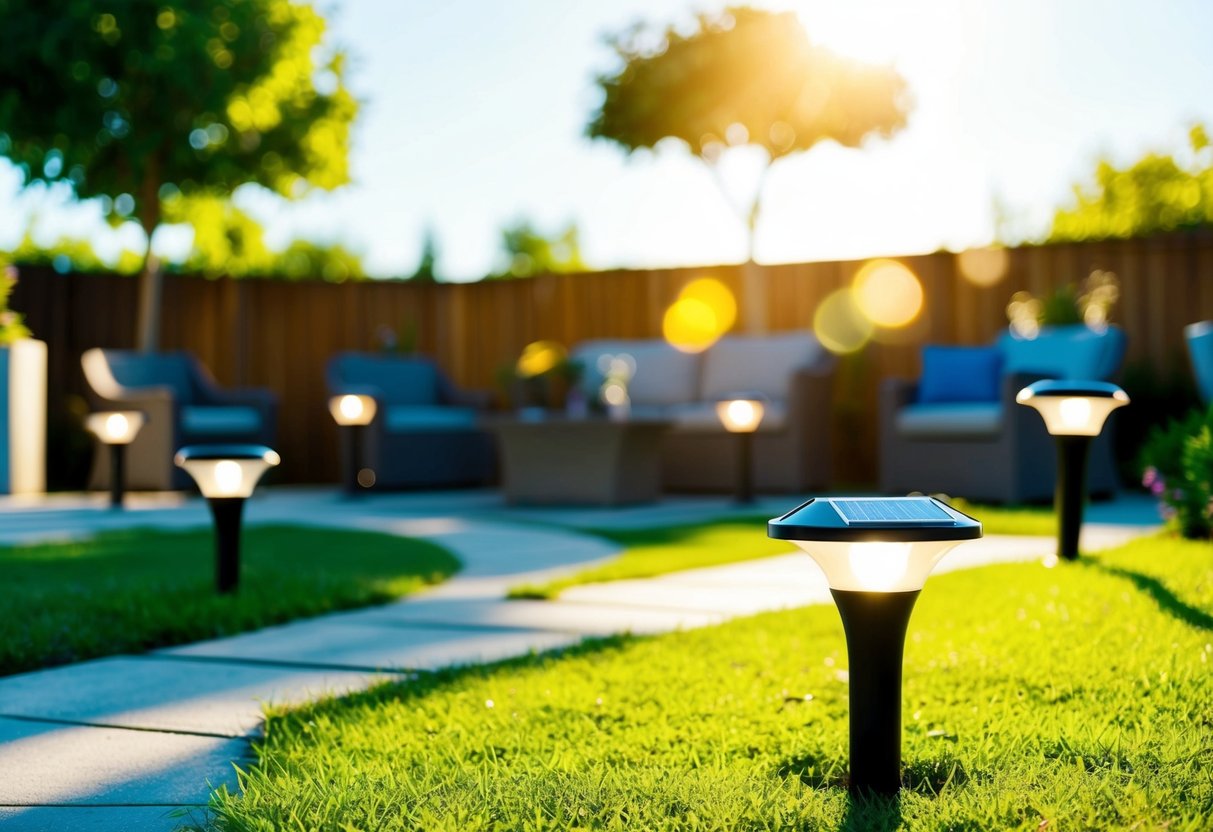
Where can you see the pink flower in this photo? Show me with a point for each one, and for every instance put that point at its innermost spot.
(1158, 487)
(1149, 476)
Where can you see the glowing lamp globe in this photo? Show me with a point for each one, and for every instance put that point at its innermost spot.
(352, 409)
(119, 427)
(226, 471)
(1073, 408)
(740, 415)
(876, 554)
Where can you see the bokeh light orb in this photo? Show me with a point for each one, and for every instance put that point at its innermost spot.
(888, 293)
(983, 266)
(839, 323)
(539, 358)
(716, 295)
(690, 325)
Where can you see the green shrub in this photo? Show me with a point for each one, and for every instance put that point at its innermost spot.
(1177, 467)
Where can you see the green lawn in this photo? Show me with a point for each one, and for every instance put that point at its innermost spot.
(650, 552)
(1078, 697)
(128, 591)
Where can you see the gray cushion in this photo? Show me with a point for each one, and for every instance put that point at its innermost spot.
(219, 421)
(950, 421)
(411, 381)
(426, 419)
(663, 374)
(758, 364)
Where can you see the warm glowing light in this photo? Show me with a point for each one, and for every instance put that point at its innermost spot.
(888, 293)
(879, 566)
(539, 358)
(116, 427)
(690, 325)
(840, 325)
(716, 295)
(352, 409)
(740, 415)
(983, 266)
(1075, 413)
(614, 393)
(228, 478)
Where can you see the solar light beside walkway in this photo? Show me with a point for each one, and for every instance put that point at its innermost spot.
(226, 476)
(116, 429)
(352, 413)
(742, 416)
(1074, 412)
(876, 555)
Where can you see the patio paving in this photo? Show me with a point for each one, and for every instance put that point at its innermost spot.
(131, 741)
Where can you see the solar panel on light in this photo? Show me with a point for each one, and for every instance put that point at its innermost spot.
(900, 512)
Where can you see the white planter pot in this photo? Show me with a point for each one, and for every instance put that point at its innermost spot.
(23, 417)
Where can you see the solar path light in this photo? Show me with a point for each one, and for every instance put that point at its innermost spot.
(352, 413)
(742, 416)
(1074, 412)
(226, 476)
(876, 554)
(117, 429)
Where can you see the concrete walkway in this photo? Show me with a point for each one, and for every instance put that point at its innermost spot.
(137, 742)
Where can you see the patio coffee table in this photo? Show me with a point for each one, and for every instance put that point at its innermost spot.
(594, 461)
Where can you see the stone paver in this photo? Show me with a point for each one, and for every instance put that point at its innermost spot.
(197, 706)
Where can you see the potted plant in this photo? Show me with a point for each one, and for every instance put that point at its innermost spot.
(22, 400)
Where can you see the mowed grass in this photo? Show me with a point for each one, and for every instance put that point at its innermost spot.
(1078, 697)
(128, 591)
(659, 551)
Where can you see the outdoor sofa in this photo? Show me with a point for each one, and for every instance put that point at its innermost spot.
(425, 431)
(182, 405)
(958, 430)
(1200, 349)
(790, 371)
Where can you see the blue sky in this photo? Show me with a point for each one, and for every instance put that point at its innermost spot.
(474, 114)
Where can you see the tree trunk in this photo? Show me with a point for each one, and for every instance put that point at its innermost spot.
(753, 287)
(151, 279)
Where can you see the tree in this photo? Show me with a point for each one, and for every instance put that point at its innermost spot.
(137, 101)
(1156, 193)
(426, 267)
(529, 252)
(742, 77)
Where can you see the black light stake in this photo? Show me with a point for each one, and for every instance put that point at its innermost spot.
(116, 429)
(1074, 412)
(352, 412)
(226, 476)
(742, 416)
(876, 554)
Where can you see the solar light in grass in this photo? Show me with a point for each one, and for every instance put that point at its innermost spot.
(352, 413)
(226, 476)
(1074, 412)
(876, 555)
(116, 429)
(742, 416)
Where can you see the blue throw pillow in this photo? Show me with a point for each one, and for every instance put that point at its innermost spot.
(960, 374)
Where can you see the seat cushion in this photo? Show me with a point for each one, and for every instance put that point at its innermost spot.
(960, 374)
(756, 364)
(954, 420)
(225, 420)
(663, 375)
(170, 369)
(404, 381)
(1066, 352)
(428, 418)
(701, 417)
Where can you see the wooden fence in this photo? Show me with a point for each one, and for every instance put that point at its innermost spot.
(279, 334)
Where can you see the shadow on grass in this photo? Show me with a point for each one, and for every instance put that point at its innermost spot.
(1167, 601)
(666, 535)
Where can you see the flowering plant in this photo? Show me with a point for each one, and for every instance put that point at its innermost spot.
(12, 325)
(1177, 464)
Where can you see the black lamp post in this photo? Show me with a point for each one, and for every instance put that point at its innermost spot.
(116, 429)
(741, 416)
(876, 554)
(352, 413)
(1074, 412)
(226, 476)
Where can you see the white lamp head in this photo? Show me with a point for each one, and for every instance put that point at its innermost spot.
(740, 414)
(874, 544)
(352, 409)
(1073, 408)
(226, 470)
(115, 427)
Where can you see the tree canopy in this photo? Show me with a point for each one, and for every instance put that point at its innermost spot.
(528, 251)
(139, 101)
(742, 77)
(1159, 192)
